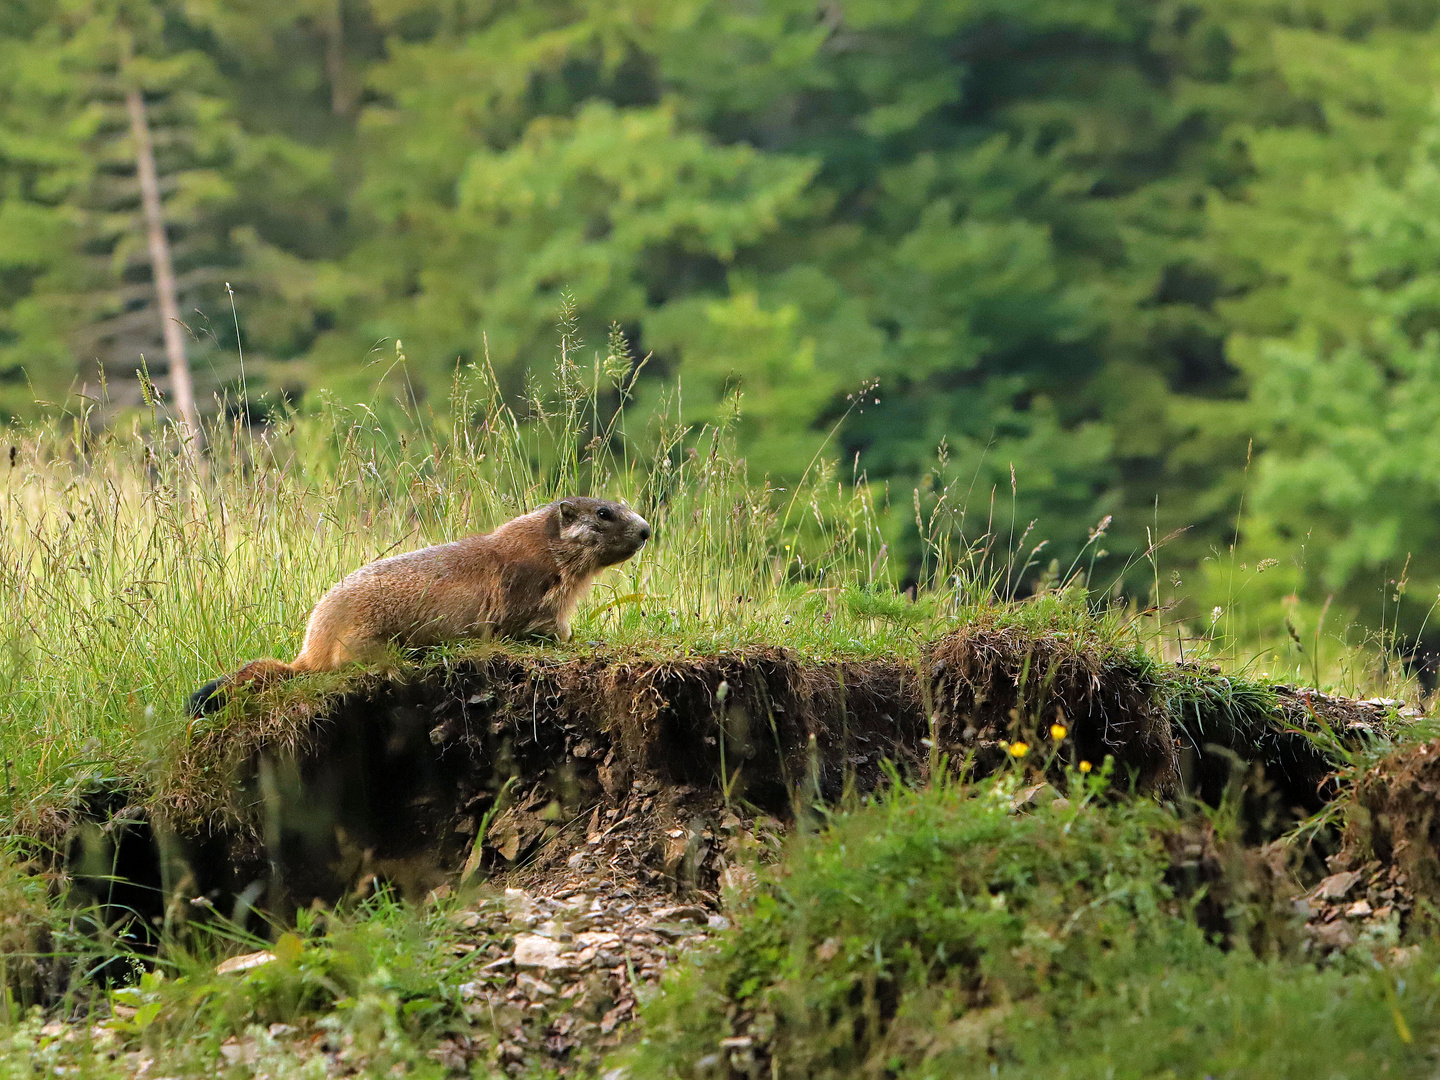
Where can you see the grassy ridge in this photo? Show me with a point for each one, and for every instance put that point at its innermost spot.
(134, 573)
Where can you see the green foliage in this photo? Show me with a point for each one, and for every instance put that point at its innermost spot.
(938, 933)
(1035, 263)
(1332, 323)
(976, 204)
(896, 925)
(378, 985)
(380, 958)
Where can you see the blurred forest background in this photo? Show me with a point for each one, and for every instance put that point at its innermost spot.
(1175, 261)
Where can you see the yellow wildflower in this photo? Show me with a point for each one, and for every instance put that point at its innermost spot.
(1058, 732)
(1085, 766)
(1019, 749)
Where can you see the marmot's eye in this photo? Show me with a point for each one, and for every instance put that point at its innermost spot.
(605, 514)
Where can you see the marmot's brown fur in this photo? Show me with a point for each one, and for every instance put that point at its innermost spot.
(522, 580)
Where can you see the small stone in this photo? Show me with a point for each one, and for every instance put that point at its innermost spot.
(534, 987)
(535, 951)
(1335, 935)
(1336, 886)
(718, 922)
(440, 892)
(1359, 909)
(244, 963)
(611, 1019)
(687, 913)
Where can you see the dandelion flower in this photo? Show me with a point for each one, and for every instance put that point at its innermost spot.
(1058, 732)
(1019, 749)
(1085, 766)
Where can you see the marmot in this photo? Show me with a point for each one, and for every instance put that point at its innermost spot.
(522, 580)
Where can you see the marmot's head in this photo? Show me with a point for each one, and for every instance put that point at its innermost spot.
(603, 533)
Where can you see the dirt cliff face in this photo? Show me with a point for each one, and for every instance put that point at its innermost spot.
(502, 763)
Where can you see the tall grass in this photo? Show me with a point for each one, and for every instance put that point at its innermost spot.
(133, 572)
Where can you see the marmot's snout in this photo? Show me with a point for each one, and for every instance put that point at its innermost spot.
(637, 532)
(609, 531)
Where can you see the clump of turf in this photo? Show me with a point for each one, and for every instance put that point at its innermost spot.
(30, 968)
(914, 926)
(943, 933)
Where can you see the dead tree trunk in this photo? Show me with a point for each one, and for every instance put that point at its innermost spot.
(342, 96)
(162, 268)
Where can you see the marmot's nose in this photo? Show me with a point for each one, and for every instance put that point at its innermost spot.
(644, 533)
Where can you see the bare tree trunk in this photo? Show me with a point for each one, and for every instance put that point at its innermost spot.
(161, 266)
(341, 99)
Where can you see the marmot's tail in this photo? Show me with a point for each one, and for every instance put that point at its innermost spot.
(210, 697)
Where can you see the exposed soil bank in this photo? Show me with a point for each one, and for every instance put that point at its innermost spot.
(563, 762)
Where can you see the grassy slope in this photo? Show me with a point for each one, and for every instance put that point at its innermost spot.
(132, 579)
(924, 934)
(938, 934)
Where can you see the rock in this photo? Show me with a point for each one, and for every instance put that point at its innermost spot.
(1336, 886)
(611, 1019)
(532, 987)
(535, 951)
(688, 913)
(244, 963)
(1334, 935)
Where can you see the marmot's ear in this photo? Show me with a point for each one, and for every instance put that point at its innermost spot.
(568, 511)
